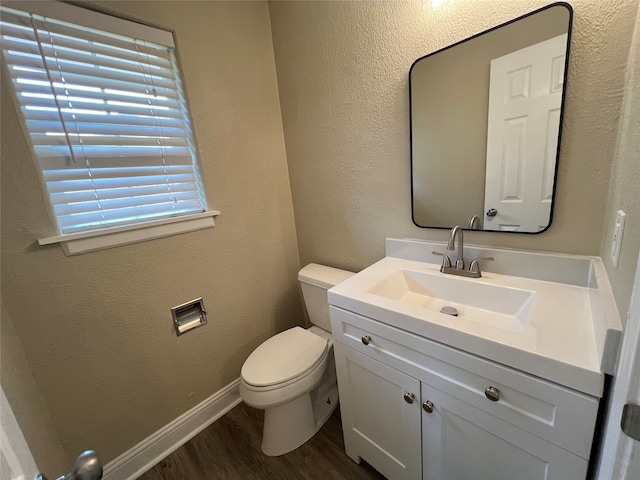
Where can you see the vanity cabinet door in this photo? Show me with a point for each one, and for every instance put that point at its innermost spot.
(380, 409)
(463, 442)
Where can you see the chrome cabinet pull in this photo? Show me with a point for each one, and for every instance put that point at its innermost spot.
(366, 339)
(492, 212)
(492, 393)
(408, 397)
(428, 406)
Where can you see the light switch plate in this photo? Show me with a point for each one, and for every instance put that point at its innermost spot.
(616, 240)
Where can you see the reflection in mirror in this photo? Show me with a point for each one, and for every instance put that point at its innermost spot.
(486, 116)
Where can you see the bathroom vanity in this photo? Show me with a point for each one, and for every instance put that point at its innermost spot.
(509, 388)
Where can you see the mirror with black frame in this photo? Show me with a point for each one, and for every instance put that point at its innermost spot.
(486, 118)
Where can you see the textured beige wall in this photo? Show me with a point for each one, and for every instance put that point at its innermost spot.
(96, 328)
(27, 404)
(624, 191)
(344, 98)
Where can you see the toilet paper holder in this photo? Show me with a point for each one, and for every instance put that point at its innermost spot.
(189, 315)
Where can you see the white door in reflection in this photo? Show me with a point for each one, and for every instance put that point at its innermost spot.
(525, 96)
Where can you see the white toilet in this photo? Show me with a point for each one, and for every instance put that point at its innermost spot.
(292, 376)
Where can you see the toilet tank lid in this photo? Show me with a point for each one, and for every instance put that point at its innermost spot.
(323, 276)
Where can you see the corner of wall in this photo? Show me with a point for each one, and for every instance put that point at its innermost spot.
(623, 185)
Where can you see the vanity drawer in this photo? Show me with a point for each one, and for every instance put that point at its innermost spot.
(554, 413)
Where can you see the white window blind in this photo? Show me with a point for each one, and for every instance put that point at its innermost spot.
(107, 120)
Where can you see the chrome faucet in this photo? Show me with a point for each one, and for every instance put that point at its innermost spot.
(474, 266)
(457, 232)
(474, 223)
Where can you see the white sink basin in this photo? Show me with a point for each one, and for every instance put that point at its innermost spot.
(549, 315)
(496, 306)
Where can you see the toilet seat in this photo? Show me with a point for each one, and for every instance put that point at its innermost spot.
(284, 358)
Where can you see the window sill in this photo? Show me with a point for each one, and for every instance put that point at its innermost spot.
(77, 243)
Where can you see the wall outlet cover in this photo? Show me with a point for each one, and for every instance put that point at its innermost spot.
(616, 240)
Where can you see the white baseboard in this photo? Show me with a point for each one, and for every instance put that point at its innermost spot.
(134, 462)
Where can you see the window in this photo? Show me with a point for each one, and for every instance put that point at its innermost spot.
(103, 105)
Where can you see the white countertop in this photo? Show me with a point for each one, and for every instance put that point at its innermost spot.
(559, 344)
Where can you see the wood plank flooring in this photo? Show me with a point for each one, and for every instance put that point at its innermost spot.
(230, 449)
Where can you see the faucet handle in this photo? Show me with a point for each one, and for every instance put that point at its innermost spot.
(474, 266)
(446, 261)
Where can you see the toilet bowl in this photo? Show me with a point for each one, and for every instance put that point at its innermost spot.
(292, 376)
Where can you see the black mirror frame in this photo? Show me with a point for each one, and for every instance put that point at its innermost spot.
(561, 120)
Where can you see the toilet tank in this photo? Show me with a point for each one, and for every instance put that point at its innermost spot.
(315, 280)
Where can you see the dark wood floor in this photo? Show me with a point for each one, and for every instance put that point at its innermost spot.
(230, 449)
